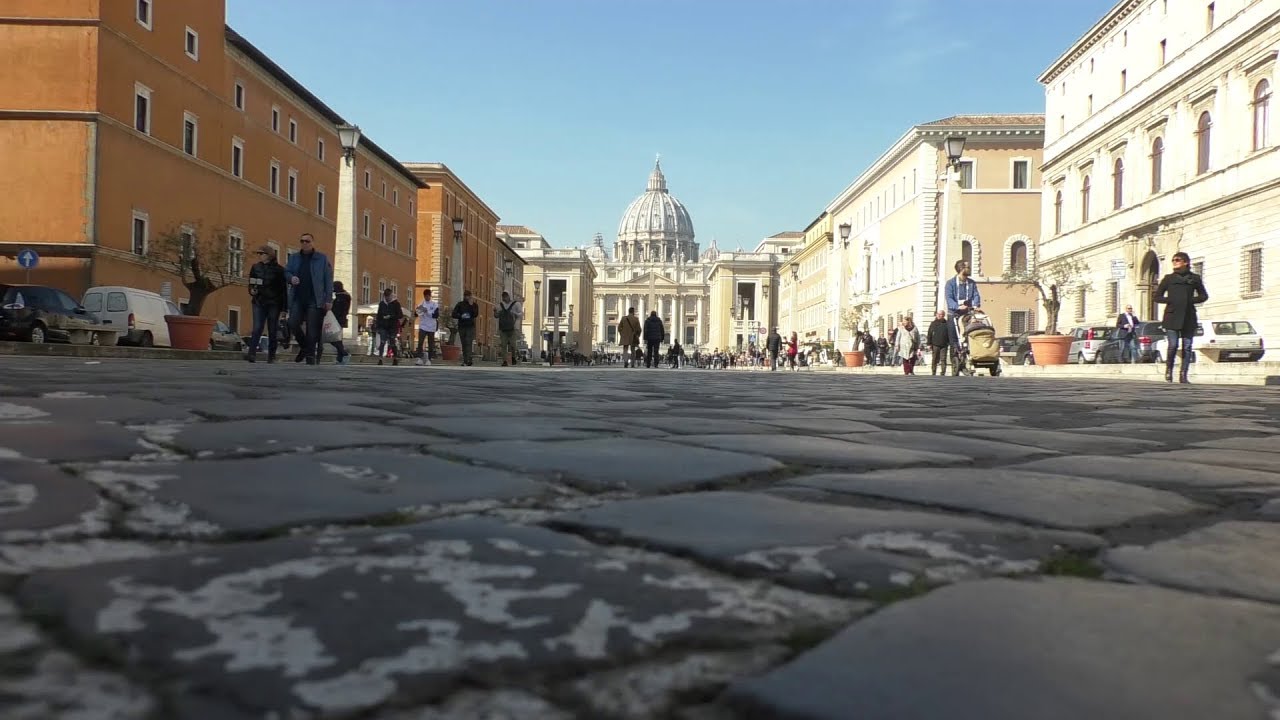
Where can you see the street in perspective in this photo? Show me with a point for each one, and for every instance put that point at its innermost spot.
(329, 388)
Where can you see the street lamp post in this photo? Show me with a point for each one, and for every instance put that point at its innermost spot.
(459, 260)
(537, 316)
(845, 230)
(345, 248)
(795, 290)
(569, 329)
(954, 147)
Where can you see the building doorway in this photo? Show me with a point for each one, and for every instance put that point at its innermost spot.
(1148, 281)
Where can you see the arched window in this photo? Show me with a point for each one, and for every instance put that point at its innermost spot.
(1018, 257)
(1157, 164)
(1261, 115)
(1084, 199)
(902, 265)
(893, 269)
(966, 252)
(1057, 212)
(1204, 127)
(1117, 184)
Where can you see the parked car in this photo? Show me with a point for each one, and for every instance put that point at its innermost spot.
(1151, 342)
(1086, 339)
(41, 314)
(224, 338)
(139, 314)
(1021, 353)
(1229, 340)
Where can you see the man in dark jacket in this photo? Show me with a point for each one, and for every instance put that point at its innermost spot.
(939, 339)
(1180, 291)
(388, 321)
(1127, 334)
(310, 278)
(466, 312)
(653, 332)
(341, 312)
(773, 343)
(267, 288)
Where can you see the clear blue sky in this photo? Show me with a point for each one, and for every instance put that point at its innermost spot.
(552, 110)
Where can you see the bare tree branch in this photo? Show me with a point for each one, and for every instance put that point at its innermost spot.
(203, 260)
(1055, 281)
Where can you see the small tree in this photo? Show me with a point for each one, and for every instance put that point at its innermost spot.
(1055, 280)
(203, 260)
(851, 319)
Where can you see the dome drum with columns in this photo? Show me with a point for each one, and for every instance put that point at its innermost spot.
(656, 226)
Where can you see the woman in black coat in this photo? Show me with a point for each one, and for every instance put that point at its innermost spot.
(1180, 291)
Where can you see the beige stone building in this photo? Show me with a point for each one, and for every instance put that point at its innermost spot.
(559, 287)
(911, 217)
(1162, 140)
(804, 306)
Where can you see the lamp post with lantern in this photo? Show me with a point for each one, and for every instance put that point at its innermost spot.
(953, 146)
(345, 246)
(795, 291)
(537, 320)
(845, 230)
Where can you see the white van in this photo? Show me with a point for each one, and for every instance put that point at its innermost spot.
(139, 314)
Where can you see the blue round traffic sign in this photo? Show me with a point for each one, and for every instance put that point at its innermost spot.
(28, 259)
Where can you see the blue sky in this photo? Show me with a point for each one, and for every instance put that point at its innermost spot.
(553, 110)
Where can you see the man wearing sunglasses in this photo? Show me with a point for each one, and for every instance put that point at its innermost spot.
(310, 279)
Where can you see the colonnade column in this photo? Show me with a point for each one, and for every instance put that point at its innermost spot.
(601, 321)
(698, 337)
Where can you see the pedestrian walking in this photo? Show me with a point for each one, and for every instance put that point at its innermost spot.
(793, 349)
(939, 341)
(653, 334)
(268, 290)
(310, 278)
(1180, 291)
(908, 341)
(388, 321)
(1127, 333)
(428, 312)
(341, 312)
(773, 343)
(466, 312)
(508, 314)
(629, 333)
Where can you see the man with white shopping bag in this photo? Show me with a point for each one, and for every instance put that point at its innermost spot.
(335, 322)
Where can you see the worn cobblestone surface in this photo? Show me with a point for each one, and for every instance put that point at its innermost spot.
(210, 540)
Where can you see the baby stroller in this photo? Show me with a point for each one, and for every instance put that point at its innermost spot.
(978, 346)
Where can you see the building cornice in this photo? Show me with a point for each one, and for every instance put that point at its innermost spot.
(430, 170)
(1095, 34)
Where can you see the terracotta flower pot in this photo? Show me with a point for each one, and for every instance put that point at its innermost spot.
(451, 353)
(855, 358)
(1050, 349)
(189, 332)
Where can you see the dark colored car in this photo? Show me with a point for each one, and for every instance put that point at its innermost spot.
(1020, 349)
(1150, 335)
(40, 314)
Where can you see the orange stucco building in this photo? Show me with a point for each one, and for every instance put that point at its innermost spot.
(124, 121)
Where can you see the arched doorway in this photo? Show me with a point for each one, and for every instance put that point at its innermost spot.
(1148, 281)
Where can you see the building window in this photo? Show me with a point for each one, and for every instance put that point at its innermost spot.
(1157, 164)
(144, 13)
(966, 254)
(190, 131)
(382, 286)
(142, 108)
(1261, 114)
(395, 238)
(141, 221)
(320, 148)
(1081, 301)
(1208, 17)
(368, 180)
(193, 44)
(1021, 174)
(1018, 257)
(384, 189)
(235, 254)
(966, 174)
(1251, 265)
(1018, 322)
(239, 95)
(1124, 80)
(1204, 132)
(274, 184)
(382, 232)
(1163, 52)
(1062, 124)
(1057, 212)
(1113, 297)
(365, 282)
(320, 201)
(237, 157)
(1085, 187)
(293, 185)
(364, 225)
(410, 248)
(1197, 267)
(233, 319)
(1117, 184)
(410, 206)
(293, 131)
(395, 197)
(275, 119)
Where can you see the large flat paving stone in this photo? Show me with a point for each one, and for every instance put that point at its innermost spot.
(38, 497)
(298, 406)
(336, 626)
(824, 547)
(1040, 498)
(506, 427)
(679, 425)
(64, 441)
(77, 407)
(950, 444)
(261, 494)
(260, 437)
(1237, 558)
(636, 463)
(1064, 441)
(1183, 425)
(1255, 444)
(1246, 459)
(512, 408)
(824, 426)
(1056, 649)
(823, 451)
(1155, 471)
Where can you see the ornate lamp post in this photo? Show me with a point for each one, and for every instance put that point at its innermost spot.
(569, 329)
(537, 316)
(345, 247)
(845, 230)
(795, 290)
(954, 148)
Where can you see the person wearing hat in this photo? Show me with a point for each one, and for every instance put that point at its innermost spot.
(267, 288)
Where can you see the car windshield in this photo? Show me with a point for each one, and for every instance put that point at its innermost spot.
(1237, 327)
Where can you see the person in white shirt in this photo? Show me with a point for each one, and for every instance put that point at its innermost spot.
(508, 314)
(428, 312)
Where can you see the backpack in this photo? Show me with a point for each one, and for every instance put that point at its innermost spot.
(506, 318)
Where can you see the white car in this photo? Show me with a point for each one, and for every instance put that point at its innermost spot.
(1229, 340)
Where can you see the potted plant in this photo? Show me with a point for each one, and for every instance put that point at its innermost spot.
(1055, 281)
(450, 350)
(851, 320)
(204, 263)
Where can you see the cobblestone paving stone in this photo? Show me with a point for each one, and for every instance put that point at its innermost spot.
(216, 540)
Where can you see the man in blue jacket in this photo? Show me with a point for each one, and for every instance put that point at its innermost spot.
(310, 278)
(962, 296)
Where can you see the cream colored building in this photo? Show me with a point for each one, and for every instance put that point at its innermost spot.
(912, 217)
(804, 306)
(743, 294)
(558, 286)
(1161, 139)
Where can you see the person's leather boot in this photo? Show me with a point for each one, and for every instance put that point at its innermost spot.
(1168, 369)
(1186, 368)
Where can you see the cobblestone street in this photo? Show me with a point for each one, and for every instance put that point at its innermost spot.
(226, 541)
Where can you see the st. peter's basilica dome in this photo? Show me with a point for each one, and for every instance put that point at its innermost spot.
(656, 226)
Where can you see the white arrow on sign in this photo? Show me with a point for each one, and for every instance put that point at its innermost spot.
(28, 259)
